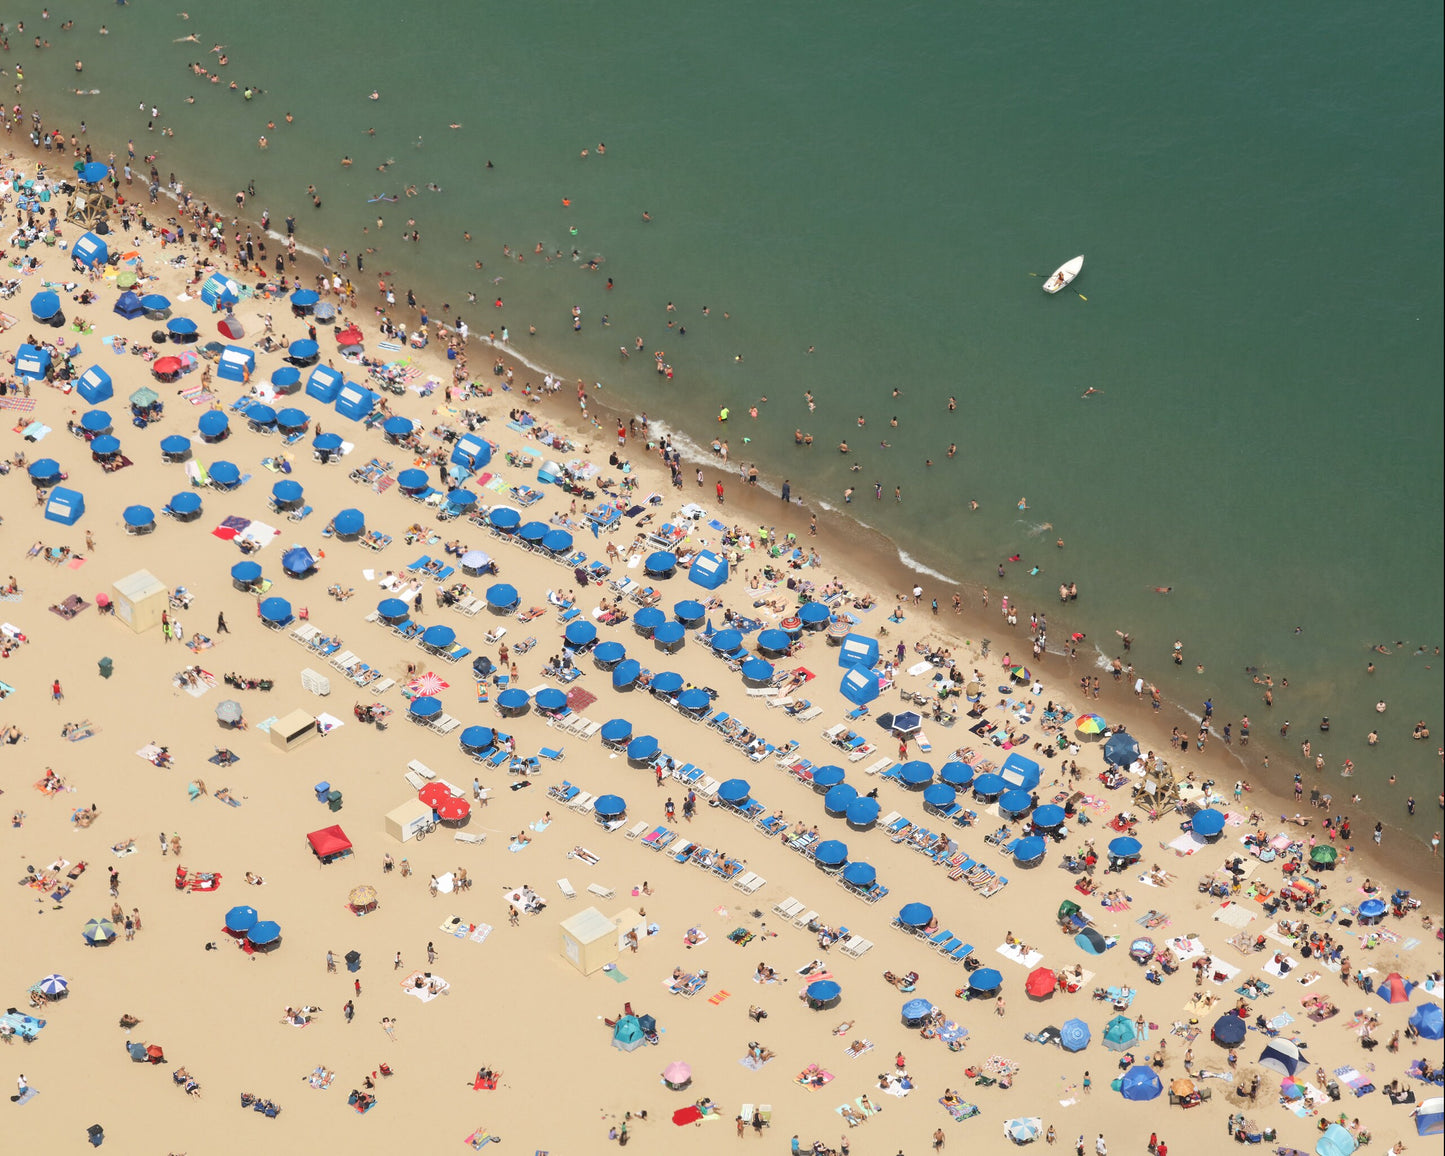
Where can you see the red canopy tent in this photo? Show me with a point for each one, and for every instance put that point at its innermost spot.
(329, 843)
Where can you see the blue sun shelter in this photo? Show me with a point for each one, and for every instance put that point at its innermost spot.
(354, 401)
(472, 452)
(860, 686)
(90, 251)
(95, 385)
(324, 383)
(32, 363)
(64, 506)
(219, 291)
(858, 650)
(708, 570)
(236, 364)
(128, 305)
(1020, 773)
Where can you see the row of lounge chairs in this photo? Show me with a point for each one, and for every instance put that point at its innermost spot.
(345, 662)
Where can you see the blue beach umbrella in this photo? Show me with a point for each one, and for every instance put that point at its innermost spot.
(285, 376)
(1207, 824)
(557, 541)
(822, 991)
(609, 653)
(1121, 750)
(616, 730)
(758, 670)
(514, 698)
(213, 423)
(660, 564)
(814, 614)
(348, 523)
(668, 682)
(828, 777)
(263, 933)
(550, 699)
(689, 612)
(181, 326)
(477, 738)
(694, 699)
(626, 672)
(287, 492)
(329, 443)
(304, 350)
(225, 473)
(292, 418)
(1228, 1031)
(502, 596)
(533, 531)
(1049, 817)
(1030, 849)
(1013, 803)
(139, 516)
(175, 446)
(1075, 1035)
(105, 446)
(241, 919)
(440, 637)
(298, 561)
(155, 303)
(648, 619)
(838, 799)
(44, 305)
(610, 806)
(734, 791)
(916, 773)
(831, 853)
(305, 298)
(956, 774)
(275, 610)
(392, 609)
(670, 636)
(44, 470)
(986, 981)
(915, 914)
(397, 426)
(860, 874)
(1124, 847)
(425, 706)
(726, 641)
(642, 748)
(916, 1009)
(863, 812)
(93, 172)
(246, 572)
(989, 787)
(939, 795)
(504, 518)
(95, 421)
(185, 503)
(773, 642)
(98, 931)
(580, 633)
(1372, 908)
(261, 415)
(1140, 1083)
(412, 480)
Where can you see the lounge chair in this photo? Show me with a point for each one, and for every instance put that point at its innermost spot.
(564, 885)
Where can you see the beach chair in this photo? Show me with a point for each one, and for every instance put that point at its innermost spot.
(343, 660)
(788, 908)
(421, 769)
(495, 636)
(382, 686)
(785, 700)
(636, 830)
(564, 885)
(414, 780)
(445, 724)
(583, 803)
(468, 837)
(750, 884)
(805, 918)
(810, 714)
(587, 731)
(857, 947)
(600, 890)
(299, 515)
(555, 754)
(961, 952)
(305, 633)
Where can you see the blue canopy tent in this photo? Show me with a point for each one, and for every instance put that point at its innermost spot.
(185, 506)
(323, 383)
(549, 700)
(502, 597)
(412, 480)
(303, 353)
(297, 562)
(1119, 1033)
(156, 304)
(213, 425)
(985, 983)
(245, 574)
(828, 777)
(392, 610)
(1049, 817)
(260, 417)
(831, 853)
(708, 570)
(814, 616)
(64, 505)
(1429, 1118)
(915, 915)
(181, 329)
(128, 305)
(225, 475)
(477, 738)
(32, 362)
(1208, 824)
(642, 749)
(276, 611)
(1228, 1031)
(580, 633)
(354, 402)
(1013, 803)
(1121, 750)
(287, 494)
(44, 305)
(236, 363)
(1139, 1083)
(349, 523)
(862, 813)
(861, 686)
(694, 700)
(626, 673)
(915, 1011)
(1030, 849)
(915, 774)
(471, 452)
(660, 564)
(94, 385)
(939, 796)
(616, 731)
(557, 541)
(727, 641)
(860, 874)
(139, 519)
(610, 806)
(425, 707)
(89, 251)
(218, 290)
(648, 619)
(670, 637)
(292, 419)
(987, 788)
(955, 774)
(1075, 1035)
(734, 791)
(513, 701)
(668, 682)
(837, 801)
(773, 643)
(1019, 772)
(758, 671)
(858, 650)
(95, 421)
(175, 448)
(608, 654)
(690, 612)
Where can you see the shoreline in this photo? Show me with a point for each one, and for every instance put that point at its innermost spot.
(882, 568)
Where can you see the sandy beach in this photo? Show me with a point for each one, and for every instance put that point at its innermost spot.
(510, 1001)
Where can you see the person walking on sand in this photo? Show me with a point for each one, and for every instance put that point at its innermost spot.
(396, 963)
(330, 962)
(357, 985)
(221, 627)
(56, 694)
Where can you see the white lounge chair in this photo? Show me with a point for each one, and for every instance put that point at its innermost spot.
(600, 890)
(565, 886)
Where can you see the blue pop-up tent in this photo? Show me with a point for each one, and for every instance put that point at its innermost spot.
(472, 452)
(31, 362)
(323, 383)
(128, 305)
(218, 290)
(708, 570)
(236, 364)
(858, 650)
(860, 686)
(354, 401)
(95, 385)
(64, 506)
(90, 251)
(1020, 773)
(298, 562)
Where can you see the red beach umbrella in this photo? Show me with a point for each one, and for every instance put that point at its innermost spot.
(166, 366)
(1041, 982)
(351, 335)
(434, 795)
(453, 810)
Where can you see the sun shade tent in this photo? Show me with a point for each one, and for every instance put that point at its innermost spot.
(1430, 1117)
(236, 363)
(90, 251)
(1119, 1033)
(129, 306)
(31, 362)
(1336, 1141)
(323, 383)
(95, 385)
(861, 686)
(858, 650)
(64, 505)
(354, 401)
(708, 570)
(472, 452)
(329, 843)
(219, 290)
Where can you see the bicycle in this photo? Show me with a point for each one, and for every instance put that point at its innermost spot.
(424, 829)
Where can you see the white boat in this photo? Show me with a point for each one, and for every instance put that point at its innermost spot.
(1064, 274)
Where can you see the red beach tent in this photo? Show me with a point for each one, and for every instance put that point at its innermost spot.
(329, 843)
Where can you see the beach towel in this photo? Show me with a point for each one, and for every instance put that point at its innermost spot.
(1014, 953)
(717, 999)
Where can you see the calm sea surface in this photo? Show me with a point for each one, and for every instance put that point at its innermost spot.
(1257, 191)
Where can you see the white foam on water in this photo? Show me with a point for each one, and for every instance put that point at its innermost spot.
(914, 564)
